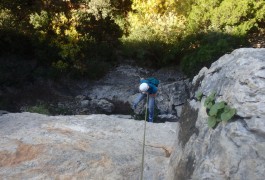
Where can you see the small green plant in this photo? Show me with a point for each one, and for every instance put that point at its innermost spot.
(210, 100)
(217, 111)
(40, 108)
(199, 95)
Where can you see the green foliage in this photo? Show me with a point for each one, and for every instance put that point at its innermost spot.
(155, 20)
(154, 28)
(216, 107)
(40, 108)
(210, 100)
(202, 31)
(73, 36)
(48, 109)
(227, 16)
(95, 69)
(100, 8)
(149, 53)
(7, 20)
(198, 95)
(61, 35)
(202, 49)
(40, 21)
(60, 65)
(217, 111)
(212, 121)
(62, 32)
(227, 113)
(184, 7)
(216, 27)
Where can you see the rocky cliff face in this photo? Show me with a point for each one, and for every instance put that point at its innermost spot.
(233, 150)
(34, 146)
(115, 93)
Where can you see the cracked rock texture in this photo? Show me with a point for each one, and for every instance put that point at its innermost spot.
(233, 150)
(119, 88)
(34, 146)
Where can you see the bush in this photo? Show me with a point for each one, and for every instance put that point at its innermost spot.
(227, 16)
(203, 49)
(216, 27)
(75, 44)
(97, 59)
(7, 19)
(148, 53)
(155, 26)
(40, 108)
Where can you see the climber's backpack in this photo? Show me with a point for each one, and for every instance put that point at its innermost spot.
(153, 81)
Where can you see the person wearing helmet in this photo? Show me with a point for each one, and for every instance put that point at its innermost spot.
(147, 88)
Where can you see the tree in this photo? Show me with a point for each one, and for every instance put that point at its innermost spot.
(63, 31)
(155, 20)
(228, 16)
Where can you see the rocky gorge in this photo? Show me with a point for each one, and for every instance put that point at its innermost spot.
(112, 94)
(97, 146)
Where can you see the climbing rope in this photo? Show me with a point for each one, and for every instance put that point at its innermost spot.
(146, 110)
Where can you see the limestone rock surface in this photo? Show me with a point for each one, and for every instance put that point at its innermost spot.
(233, 150)
(34, 146)
(120, 87)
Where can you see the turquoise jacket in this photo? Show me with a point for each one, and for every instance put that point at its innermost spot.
(152, 88)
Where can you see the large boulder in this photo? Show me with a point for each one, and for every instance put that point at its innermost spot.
(34, 146)
(233, 150)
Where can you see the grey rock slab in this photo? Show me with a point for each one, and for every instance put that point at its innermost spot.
(233, 150)
(34, 146)
(238, 79)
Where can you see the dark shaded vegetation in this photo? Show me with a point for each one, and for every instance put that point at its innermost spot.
(74, 39)
(197, 32)
(86, 38)
(83, 38)
(200, 50)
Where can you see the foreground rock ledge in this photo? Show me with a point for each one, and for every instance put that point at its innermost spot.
(34, 146)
